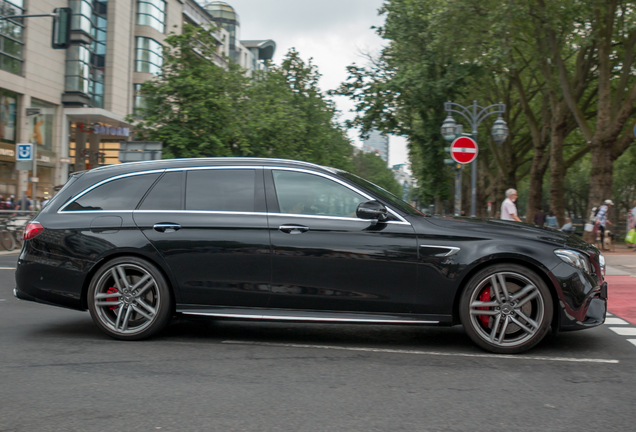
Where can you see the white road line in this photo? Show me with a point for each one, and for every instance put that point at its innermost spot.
(431, 353)
(632, 341)
(615, 321)
(624, 331)
(7, 268)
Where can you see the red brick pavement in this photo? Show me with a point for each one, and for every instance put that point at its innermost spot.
(621, 293)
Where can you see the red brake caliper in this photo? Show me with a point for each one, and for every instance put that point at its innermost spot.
(485, 297)
(112, 290)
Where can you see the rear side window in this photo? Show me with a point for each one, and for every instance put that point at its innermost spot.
(120, 194)
(221, 190)
(165, 194)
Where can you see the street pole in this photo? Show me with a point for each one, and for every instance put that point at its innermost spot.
(474, 118)
(458, 189)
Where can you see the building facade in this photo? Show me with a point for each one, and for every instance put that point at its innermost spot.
(72, 103)
(378, 144)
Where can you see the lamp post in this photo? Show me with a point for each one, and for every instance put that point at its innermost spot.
(474, 114)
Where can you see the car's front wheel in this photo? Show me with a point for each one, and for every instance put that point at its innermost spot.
(129, 299)
(506, 308)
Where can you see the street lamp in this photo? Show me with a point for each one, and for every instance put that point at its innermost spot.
(448, 128)
(499, 130)
(474, 114)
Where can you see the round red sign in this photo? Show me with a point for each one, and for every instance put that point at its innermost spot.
(464, 150)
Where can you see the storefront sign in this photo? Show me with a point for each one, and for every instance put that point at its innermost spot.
(32, 111)
(102, 129)
(7, 152)
(8, 109)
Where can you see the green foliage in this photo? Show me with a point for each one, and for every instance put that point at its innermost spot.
(373, 168)
(198, 109)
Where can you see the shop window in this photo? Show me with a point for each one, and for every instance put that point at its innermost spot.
(8, 116)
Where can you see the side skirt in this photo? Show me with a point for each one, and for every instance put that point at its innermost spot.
(311, 315)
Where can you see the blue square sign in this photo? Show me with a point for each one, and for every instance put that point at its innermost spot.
(24, 152)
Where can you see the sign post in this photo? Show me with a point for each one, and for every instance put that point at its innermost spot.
(463, 151)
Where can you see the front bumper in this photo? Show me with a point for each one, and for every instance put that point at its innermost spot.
(582, 298)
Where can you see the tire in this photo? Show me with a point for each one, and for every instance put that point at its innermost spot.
(6, 240)
(129, 299)
(506, 309)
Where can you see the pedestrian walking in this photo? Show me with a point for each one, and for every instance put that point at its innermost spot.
(602, 219)
(508, 207)
(630, 238)
(552, 221)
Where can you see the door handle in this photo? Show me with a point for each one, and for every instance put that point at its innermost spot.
(293, 229)
(166, 227)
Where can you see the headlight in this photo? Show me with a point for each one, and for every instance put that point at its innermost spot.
(574, 258)
(601, 261)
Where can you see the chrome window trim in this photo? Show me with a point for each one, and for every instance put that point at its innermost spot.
(327, 176)
(98, 184)
(401, 221)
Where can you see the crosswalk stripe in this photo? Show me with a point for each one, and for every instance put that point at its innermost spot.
(624, 331)
(615, 321)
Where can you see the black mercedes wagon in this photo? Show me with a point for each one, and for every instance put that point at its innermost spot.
(270, 239)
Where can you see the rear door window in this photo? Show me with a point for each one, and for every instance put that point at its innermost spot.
(221, 190)
(121, 194)
(166, 194)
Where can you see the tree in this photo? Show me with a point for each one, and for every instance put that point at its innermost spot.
(198, 109)
(373, 168)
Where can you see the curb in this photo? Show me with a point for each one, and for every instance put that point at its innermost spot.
(13, 252)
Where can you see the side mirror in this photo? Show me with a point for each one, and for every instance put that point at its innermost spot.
(372, 210)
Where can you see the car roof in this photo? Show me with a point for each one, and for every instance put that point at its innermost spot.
(122, 168)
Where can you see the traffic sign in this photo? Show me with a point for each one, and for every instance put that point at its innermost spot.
(464, 150)
(24, 152)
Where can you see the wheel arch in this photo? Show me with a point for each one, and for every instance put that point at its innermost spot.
(537, 268)
(104, 260)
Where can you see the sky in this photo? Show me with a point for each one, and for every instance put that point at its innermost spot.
(333, 33)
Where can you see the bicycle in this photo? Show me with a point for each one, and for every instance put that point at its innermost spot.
(12, 232)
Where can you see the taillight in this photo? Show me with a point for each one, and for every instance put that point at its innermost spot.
(32, 230)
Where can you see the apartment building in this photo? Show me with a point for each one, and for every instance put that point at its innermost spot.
(72, 103)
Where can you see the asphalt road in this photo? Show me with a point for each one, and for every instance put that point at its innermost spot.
(59, 373)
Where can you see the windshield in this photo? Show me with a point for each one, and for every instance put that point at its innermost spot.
(386, 195)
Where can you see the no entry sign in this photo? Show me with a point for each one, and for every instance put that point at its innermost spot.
(464, 150)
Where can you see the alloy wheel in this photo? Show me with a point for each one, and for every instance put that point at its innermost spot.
(127, 299)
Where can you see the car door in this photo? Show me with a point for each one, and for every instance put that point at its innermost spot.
(210, 226)
(327, 259)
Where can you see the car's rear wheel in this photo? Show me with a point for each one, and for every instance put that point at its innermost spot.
(129, 299)
(506, 308)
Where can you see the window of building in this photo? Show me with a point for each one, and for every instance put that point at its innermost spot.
(11, 31)
(221, 190)
(78, 69)
(82, 18)
(302, 193)
(152, 13)
(166, 194)
(121, 194)
(149, 56)
(139, 101)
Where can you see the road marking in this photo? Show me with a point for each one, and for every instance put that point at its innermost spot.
(431, 353)
(7, 268)
(632, 341)
(623, 331)
(615, 321)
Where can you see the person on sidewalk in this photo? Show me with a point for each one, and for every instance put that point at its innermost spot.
(508, 207)
(539, 217)
(568, 227)
(551, 221)
(602, 218)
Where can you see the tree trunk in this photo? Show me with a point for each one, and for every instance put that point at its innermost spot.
(600, 175)
(535, 192)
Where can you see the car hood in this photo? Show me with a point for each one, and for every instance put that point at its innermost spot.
(477, 227)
